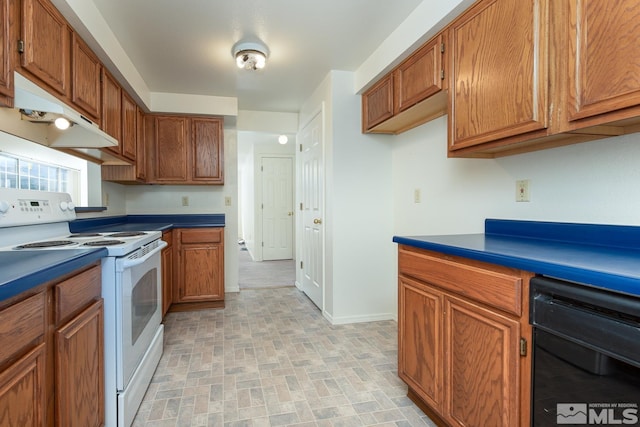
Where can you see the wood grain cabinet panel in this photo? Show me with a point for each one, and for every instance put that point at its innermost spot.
(499, 72)
(377, 103)
(22, 391)
(419, 76)
(602, 55)
(171, 146)
(85, 74)
(6, 70)
(167, 272)
(111, 109)
(420, 338)
(128, 143)
(46, 38)
(482, 366)
(207, 150)
(80, 369)
(199, 268)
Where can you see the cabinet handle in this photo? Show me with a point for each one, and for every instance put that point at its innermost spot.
(317, 221)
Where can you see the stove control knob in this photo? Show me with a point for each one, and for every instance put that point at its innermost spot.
(71, 206)
(64, 206)
(4, 206)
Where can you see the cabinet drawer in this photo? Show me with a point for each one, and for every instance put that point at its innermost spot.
(21, 324)
(196, 235)
(492, 285)
(74, 294)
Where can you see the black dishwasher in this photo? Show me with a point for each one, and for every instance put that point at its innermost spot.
(586, 355)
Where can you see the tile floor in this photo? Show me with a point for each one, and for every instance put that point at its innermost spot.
(270, 359)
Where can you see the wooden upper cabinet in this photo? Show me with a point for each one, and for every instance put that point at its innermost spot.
(420, 76)
(85, 75)
(141, 146)
(207, 150)
(6, 71)
(111, 109)
(377, 103)
(602, 56)
(411, 94)
(171, 148)
(128, 143)
(499, 72)
(188, 150)
(45, 37)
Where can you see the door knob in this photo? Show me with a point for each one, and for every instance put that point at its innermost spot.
(317, 221)
(290, 214)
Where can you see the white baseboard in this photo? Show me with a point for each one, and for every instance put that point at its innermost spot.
(344, 320)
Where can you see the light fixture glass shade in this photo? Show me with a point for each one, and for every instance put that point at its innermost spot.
(250, 55)
(283, 139)
(250, 60)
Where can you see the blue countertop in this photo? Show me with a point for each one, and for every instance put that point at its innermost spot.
(23, 270)
(602, 256)
(146, 222)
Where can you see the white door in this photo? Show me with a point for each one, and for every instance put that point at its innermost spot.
(277, 208)
(312, 196)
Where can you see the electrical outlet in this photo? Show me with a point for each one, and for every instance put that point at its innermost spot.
(227, 200)
(416, 196)
(522, 190)
(185, 200)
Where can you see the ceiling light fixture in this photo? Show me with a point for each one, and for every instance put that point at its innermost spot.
(250, 55)
(282, 139)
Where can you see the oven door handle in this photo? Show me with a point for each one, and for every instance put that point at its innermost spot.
(129, 263)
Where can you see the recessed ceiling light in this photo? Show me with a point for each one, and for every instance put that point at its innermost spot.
(283, 139)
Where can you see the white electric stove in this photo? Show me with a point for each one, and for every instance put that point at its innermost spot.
(131, 288)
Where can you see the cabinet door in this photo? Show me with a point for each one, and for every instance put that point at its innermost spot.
(80, 370)
(200, 265)
(6, 72)
(112, 109)
(141, 146)
(481, 366)
(377, 103)
(603, 56)
(420, 76)
(22, 391)
(167, 273)
(85, 75)
(171, 138)
(46, 39)
(128, 143)
(207, 150)
(498, 82)
(420, 340)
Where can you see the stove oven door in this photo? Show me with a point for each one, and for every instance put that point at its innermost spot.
(138, 310)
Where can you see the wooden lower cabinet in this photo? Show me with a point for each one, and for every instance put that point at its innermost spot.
(167, 271)
(80, 369)
(199, 268)
(481, 355)
(459, 339)
(52, 354)
(22, 390)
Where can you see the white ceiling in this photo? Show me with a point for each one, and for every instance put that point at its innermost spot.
(185, 46)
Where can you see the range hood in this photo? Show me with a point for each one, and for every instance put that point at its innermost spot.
(33, 115)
